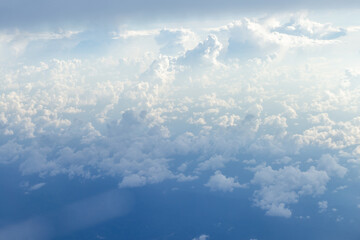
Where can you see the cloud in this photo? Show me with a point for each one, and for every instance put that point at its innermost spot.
(334, 135)
(9, 152)
(213, 163)
(323, 205)
(278, 210)
(37, 186)
(179, 105)
(279, 188)
(135, 33)
(330, 165)
(269, 38)
(340, 188)
(205, 53)
(300, 25)
(277, 124)
(219, 182)
(201, 237)
(26, 186)
(133, 181)
(176, 41)
(15, 43)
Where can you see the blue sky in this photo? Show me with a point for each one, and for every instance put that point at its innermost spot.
(188, 120)
(22, 13)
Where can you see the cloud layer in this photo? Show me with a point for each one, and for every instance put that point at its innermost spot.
(181, 104)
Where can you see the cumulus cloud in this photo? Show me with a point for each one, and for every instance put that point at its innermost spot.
(219, 182)
(133, 181)
(268, 38)
(185, 102)
(279, 188)
(215, 162)
(300, 25)
(204, 54)
(330, 165)
(327, 133)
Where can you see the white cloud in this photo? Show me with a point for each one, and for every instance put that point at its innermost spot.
(204, 54)
(10, 152)
(331, 166)
(279, 188)
(340, 188)
(37, 186)
(277, 124)
(134, 33)
(14, 44)
(213, 163)
(161, 104)
(252, 38)
(201, 237)
(176, 41)
(278, 210)
(219, 182)
(300, 25)
(250, 162)
(26, 186)
(323, 205)
(133, 181)
(330, 134)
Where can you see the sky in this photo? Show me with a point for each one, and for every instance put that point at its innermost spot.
(182, 120)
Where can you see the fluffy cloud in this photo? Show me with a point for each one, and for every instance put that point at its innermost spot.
(330, 134)
(184, 102)
(213, 163)
(219, 182)
(300, 25)
(204, 54)
(269, 38)
(279, 188)
(331, 166)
